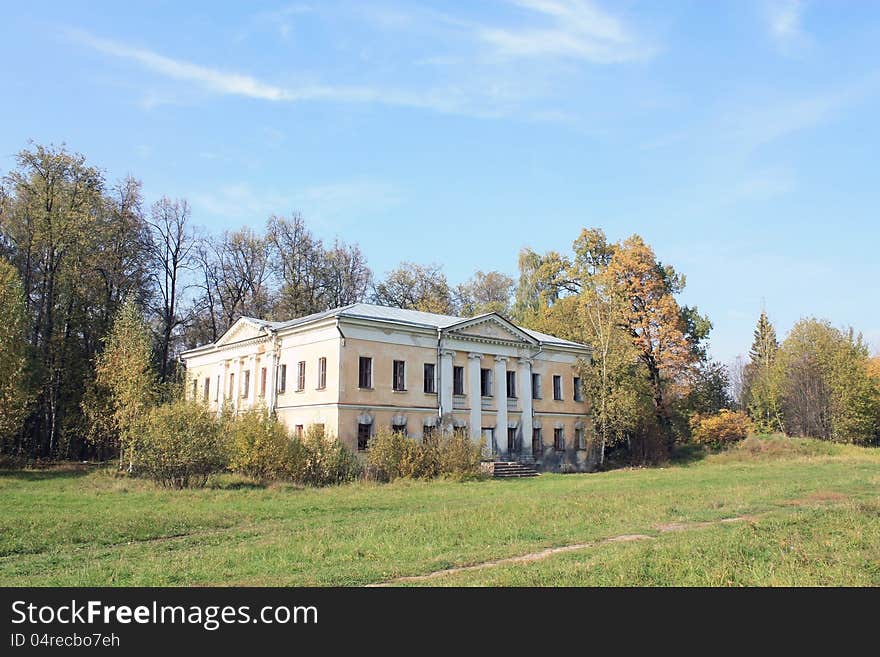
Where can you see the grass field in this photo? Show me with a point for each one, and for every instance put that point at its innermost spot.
(798, 513)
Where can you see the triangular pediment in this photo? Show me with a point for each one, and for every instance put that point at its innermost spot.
(243, 329)
(489, 327)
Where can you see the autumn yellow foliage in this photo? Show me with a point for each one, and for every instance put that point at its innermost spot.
(719, 429)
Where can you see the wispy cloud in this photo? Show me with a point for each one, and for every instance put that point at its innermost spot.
(575, 28)
(784, 18)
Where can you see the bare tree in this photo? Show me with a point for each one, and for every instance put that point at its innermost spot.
(347, 277)
(172, 251)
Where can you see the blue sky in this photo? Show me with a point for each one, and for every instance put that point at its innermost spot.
(740, 139)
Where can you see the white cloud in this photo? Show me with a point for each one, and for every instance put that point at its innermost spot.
(784, 18)
(577, 29)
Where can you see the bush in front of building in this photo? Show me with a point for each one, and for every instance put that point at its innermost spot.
(180, 445)
(720, 429)
(391, 455)
(323, 460)
(261, 447)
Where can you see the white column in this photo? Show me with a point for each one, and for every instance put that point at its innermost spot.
(271, 383)
(236, 390)
(254, 384)
(474, 397)
(501, 404)
(525, 395)
(445, 392)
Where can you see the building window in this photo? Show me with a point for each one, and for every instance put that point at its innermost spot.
(217, 391)
(207, 391)
(536, 386)
(232, 385)
(580, 438)
(301, 375)
(363, 436)
(398, 375)
(558, 440)
(511, 385)
(511, 440)
(578, 394)
(429, 378)
(457, 380)
(246, 384)
(428, 435)
(486, 383)
(322, 373)
(298, 431)
(399, 429)
(365, 372)
(537, 442)
(282, 379)
(195, 388)
(262, 382)
(557, 387)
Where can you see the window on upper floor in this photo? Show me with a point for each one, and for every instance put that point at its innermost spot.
(232, 385)
(457, 380)
(301, 375)
(429, 383)
(207, 389)
(578, 393)
(217, 390)
(195, 388)
(511, 385)
(557, 387)
(322, 373)
(398, 375)
(282, 378)
(536, 386)
(365, 372)
(486, 382)
(262, 382)
(246, 384)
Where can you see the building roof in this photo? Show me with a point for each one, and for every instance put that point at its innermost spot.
(401, 316)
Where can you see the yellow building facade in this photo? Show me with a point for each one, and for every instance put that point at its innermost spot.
(361, 368)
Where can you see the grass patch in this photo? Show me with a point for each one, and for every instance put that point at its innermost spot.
(95, 528)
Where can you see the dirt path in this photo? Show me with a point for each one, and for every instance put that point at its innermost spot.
(543, 554)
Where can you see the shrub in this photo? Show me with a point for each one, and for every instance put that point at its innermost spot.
(261, 447)
(180, 445)
(720, 429)
(324, 460)
(392, 456)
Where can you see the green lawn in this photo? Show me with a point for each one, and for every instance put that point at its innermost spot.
(813, 517)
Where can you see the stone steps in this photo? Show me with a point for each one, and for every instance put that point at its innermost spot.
(510, 469)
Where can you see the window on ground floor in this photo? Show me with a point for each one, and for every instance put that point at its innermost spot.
(428, 434)
(511, 440)
(537, 442)
(399, 429)
(363, 436)
(559, 440)
(298, 431)
(581, 438)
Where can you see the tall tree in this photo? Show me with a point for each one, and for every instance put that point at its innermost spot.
(172, 251)
(347, 278)
(415, 287)
(14, 385)
(761, 385)
(485, 292)
(125, 372)
(664, 340)
(297, 260)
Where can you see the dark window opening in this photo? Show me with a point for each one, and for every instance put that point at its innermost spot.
(486, 382)
(558, 440)
(207, 392)
(365, 372)
(301, 375)
(428, 434)
(536, 386)
(557, 387)
(363, 436)
(322, 373)
(429, 378)
(537, 442)
(511, 385)
(578, 393)
(457, 380)
(511, 440)
(398, 381)
(282, 379)
(399, 429)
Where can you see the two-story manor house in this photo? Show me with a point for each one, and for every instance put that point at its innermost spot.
(362, 367)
